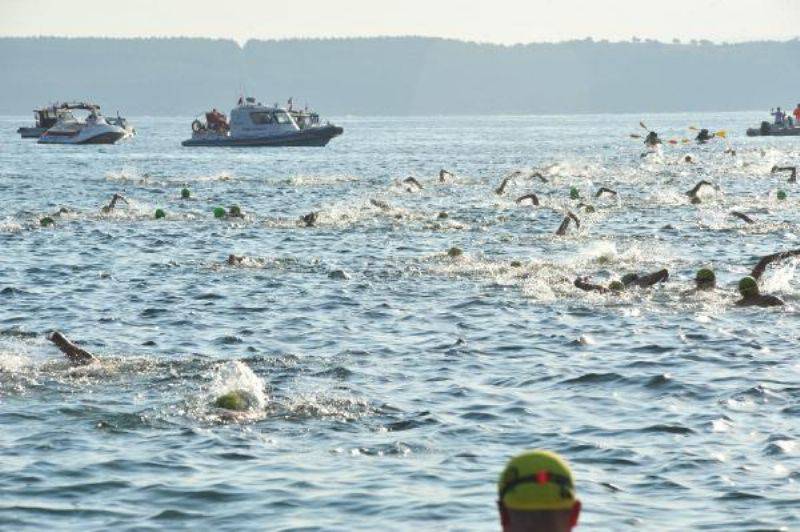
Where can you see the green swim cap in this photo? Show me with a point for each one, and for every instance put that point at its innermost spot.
(160, 214)
(616, 286)
(748, 287)
(516, 264)
(781, 195)
(628, 278)
(573, 193)
(46, 221)
(454, 252)
(705, 276)
(185, 194)
(235, 400)
(219, 212)
(536, 480)
(235, 211)
(588, 208)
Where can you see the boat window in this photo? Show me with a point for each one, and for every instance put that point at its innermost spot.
(282, 118)
(261, 117)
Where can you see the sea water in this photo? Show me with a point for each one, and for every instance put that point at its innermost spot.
(390, 397)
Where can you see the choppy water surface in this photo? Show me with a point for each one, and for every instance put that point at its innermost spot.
(392, 399)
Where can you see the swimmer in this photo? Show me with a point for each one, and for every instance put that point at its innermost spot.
(705, 280)
(752, 297)
(412, 181)
(533, 197)
(693, 192)
(730, 151)
(688, 159)
(380, 204)
(536, 492)
(235, 260)
(605, 190)
(646, 280)
(584, 284)
(562, 229)
(748, 286)
(310, 219)
(113, 203)
(75, 355)
(444, 175)
(234, 211)
(792, 169)
(746, 219)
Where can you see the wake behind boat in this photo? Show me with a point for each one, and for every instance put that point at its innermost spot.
(254, 124)
(95, 129)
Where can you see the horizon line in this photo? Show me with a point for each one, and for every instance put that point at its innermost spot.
(243, 43)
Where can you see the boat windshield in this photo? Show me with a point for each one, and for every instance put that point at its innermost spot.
(282, 118)
(261, 117)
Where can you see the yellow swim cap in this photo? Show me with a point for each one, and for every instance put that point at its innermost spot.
(536, 480)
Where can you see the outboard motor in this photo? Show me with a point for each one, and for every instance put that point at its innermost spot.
(765, 128)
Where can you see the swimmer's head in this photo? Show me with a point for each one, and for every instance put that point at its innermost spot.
(616, 286)
(185, 194)
(705, 279)
(160, 214)
(235, 211)
(46, 221)
(574, 194)
(454, 252)
(696, 200)
(781, 195)
(536, 491)
(219, 212)
(237, 400)
(748, 287)
(688, 159)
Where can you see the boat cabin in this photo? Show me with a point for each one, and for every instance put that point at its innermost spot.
(47, 117)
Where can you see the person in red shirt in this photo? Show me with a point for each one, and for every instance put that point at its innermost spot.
(796, 114)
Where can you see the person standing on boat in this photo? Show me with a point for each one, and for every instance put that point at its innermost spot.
(779, 116)
(796, 114)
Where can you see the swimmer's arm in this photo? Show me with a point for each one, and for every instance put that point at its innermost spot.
(586, 286)
(499, 190)
(540, 176)
(605, 189)
(532, 197)
(412, 180)
(653, 278)
(693, 192)
(74, 354)
(562, 229)
(742, 217)
(761, 267)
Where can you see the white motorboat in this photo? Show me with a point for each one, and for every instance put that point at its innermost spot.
(95, 129)
(253, 124)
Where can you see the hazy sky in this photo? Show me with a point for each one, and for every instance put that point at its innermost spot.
(501, 21)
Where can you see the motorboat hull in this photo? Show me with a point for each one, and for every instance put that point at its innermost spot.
(770, 130)
(31, 132)
(314, 136)
(109, 136)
